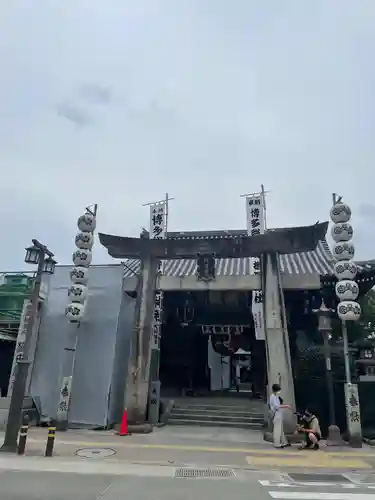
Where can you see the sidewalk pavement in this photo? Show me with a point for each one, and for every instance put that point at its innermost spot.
(196, 446)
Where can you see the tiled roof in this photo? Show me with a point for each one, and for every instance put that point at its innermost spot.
(318, 261)
(365, 276)
(366, 265)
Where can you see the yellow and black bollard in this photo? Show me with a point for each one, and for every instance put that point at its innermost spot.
(51, 439)
(23, 435)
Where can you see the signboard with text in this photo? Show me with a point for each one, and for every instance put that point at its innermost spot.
(158, 230)
(255, 219)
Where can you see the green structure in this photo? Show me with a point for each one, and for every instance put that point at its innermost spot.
(14, 289)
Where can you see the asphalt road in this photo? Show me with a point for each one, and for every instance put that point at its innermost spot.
(23, 485)
(204, 446)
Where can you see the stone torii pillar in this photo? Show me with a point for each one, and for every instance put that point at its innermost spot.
(151, 251)
(277, 338)
(137, 380)
(279, 366)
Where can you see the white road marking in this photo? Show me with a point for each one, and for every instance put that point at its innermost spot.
(316, 495)
(298, 484)
(80, 466)
(101, 495)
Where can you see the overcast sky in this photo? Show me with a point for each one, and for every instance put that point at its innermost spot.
(118, 102)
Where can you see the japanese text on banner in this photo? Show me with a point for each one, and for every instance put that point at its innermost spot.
(255, 218)
(158, 221)
(21, 338)
(158, 230)
(64, 401)
(353, 407)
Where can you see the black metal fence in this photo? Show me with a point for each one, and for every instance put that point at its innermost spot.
(311, 390)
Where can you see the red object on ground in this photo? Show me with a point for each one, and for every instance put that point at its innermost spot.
(124, 424)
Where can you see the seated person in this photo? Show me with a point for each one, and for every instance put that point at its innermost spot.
(311, 429)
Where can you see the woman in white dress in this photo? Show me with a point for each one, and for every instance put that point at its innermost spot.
(276, 409)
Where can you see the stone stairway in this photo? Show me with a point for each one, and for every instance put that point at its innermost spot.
(217, 413)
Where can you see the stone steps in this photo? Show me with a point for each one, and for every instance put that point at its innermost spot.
(215, 408)
(217, 418)
(216, 423)
(216, 415)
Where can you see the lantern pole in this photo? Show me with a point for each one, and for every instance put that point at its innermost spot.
(348, 309)
(27, 356)
(75, 310)
(344, 330)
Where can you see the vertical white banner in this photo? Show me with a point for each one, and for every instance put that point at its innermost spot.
(64, 400)
(353, 412)
(21, 337)
(255, 219)
(255, 216)
(158, 230)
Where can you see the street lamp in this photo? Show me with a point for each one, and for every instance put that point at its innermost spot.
(49, 265)
(324, 325)
(32, 255)
(40, 255)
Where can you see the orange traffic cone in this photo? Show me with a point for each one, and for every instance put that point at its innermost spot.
(124, 424)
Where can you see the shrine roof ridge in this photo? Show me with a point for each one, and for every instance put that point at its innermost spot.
(222, 233)
(281, 241)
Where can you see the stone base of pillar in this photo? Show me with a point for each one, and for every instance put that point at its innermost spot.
(353, 415)
(292, 438)
(136, 428)
(290, 426)
(334, 436)
(137, 403)
(62, 425)
(267, 436)
(355, 441)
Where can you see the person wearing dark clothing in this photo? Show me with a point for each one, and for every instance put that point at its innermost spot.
(311, 430)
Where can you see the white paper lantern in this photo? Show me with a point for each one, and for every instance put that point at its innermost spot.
(75, 312)
(342, 232)
(82, 258)
(84, 240)
(343, 250)
(345, 270)
(347, 290)
(79, 275)
(86, 223)
(348, 310)
(340, 212)
(77, 293)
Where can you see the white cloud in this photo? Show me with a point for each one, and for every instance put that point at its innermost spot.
(115, 104)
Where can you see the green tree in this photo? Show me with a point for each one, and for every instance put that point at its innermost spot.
(361, 330)
(368, 314)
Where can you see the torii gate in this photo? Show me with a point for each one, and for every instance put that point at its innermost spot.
(266, 246)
